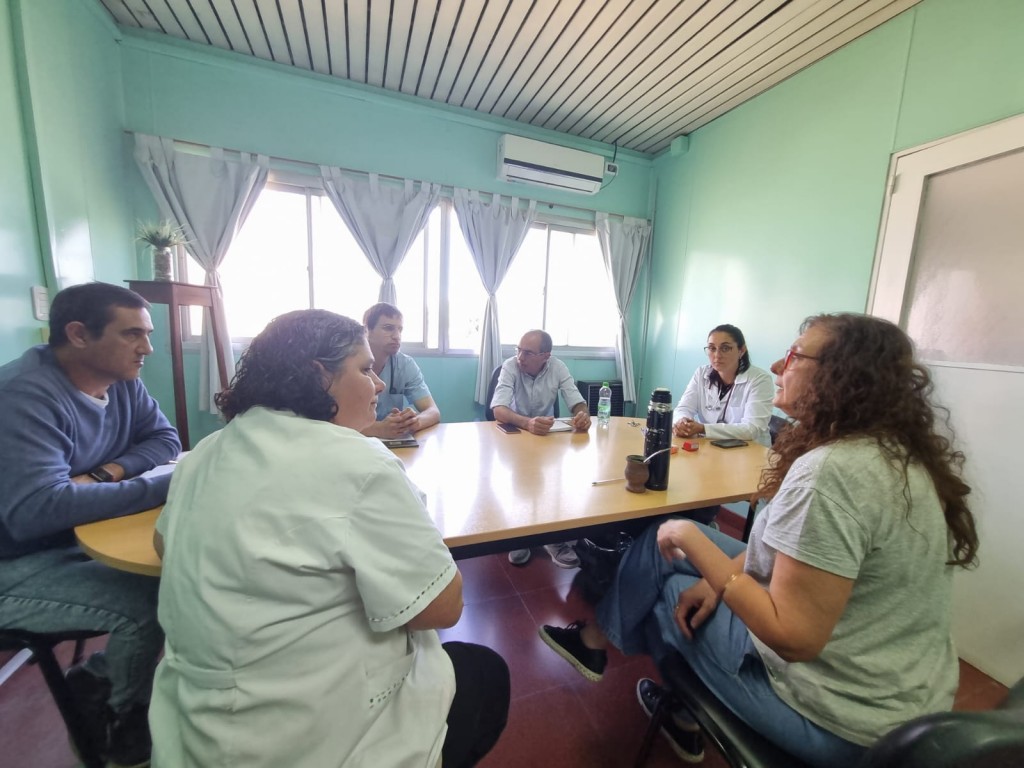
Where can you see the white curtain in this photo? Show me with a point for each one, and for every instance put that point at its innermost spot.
(493, 231)
(384, 218)
(209, 197)
(624, 245)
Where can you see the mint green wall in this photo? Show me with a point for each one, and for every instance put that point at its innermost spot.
(192, 93)
(197, 93)
(73, 75)
(20, 264)
(64, 216)
(773, 213)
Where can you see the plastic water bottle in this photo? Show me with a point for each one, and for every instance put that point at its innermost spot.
(604, 405)
(658, 437)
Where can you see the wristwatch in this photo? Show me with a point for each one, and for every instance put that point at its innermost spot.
(100, 475)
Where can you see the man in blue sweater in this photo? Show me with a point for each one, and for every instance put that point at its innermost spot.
(78, 431)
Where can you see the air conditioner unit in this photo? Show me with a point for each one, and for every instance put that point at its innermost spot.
(549, 165)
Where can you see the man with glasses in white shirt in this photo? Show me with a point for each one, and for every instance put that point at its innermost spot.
(525, 395)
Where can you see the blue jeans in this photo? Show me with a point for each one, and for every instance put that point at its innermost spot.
(721, 653)
(58, 590)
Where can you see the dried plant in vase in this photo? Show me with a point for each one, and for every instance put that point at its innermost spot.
(162, 237)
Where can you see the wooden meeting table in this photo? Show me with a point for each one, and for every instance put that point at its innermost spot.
(491, 492)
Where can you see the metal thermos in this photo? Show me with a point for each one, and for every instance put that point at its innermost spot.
(659, 436)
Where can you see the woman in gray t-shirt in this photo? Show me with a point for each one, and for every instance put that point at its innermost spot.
(832, 626)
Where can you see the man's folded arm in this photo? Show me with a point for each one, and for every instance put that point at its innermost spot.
(155, 441)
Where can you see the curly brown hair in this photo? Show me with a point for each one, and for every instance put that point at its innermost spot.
(868, 384)
(279, 368)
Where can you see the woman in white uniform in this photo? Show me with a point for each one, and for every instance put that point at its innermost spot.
(729, 397)
(303, 582)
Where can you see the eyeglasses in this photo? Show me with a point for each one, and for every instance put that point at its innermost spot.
(725, 349)
(528, 353)
(790, 354)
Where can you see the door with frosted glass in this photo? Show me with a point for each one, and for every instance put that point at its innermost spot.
(950, 271)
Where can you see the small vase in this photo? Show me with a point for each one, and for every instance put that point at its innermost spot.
(162, 264)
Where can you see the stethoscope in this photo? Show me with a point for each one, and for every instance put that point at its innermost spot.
(391, 362)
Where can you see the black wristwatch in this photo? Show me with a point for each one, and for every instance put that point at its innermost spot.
(100, 475)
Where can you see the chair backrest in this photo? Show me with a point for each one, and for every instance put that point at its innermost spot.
(490, 393)
(992, 738)
(775, 425)
(488, 413)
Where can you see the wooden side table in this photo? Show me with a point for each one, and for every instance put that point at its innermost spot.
(175, 296)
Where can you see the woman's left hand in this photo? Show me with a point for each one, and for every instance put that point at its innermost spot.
(694, 606)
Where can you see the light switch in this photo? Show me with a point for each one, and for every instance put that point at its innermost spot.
(41, 302)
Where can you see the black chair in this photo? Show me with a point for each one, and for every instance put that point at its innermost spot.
(488, 413)
(490, 393)
(41, 646)
(775, 425)
(992, 739)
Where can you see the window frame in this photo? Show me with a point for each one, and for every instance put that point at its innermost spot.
(308, 185)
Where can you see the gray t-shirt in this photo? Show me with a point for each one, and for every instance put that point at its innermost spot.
(843, 508)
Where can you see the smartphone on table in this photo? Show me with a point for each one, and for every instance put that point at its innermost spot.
(508, 429)
(731, 442)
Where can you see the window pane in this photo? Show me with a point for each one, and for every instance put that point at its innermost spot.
(264, 272)
(581, 306)
(466, 295)
(521, 295)
(343, 280)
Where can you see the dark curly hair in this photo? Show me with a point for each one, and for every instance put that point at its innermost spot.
(279, 371)
(868, 384)
(737, 337)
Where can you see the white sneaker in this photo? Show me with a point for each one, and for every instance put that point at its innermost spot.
(519, 556)
(563, 555)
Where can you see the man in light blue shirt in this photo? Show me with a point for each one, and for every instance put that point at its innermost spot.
(405, 405)
(525, 395)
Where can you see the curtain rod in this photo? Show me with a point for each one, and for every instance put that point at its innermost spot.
(304, 167)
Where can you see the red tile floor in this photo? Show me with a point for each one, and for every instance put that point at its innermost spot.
(557, 718)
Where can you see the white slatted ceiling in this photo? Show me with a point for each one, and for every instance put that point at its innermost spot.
(633, 72)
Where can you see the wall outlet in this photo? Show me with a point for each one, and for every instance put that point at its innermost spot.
(611, 169)
(40, 303)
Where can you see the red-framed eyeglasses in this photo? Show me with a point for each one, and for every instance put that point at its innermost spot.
(790, 354)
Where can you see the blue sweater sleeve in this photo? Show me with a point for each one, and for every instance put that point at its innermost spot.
(49, 437)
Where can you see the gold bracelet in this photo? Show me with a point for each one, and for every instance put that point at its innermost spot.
(729, 581)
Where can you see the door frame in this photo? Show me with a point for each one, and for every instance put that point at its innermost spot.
(905, 182)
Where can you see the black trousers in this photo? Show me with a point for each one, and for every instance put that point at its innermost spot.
(479, 710)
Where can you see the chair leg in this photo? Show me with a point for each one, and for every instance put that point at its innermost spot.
(750, 522)
(661, 711)
(88, 750)
(76, 657)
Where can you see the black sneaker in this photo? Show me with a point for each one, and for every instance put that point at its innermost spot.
(682, 733)
(130, 743)
(90, 693)
(568, 644)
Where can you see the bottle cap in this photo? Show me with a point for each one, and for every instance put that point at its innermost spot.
(661, 395)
